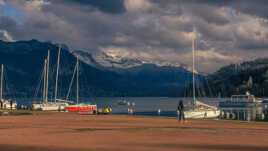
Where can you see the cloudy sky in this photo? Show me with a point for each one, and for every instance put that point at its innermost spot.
(227, 31)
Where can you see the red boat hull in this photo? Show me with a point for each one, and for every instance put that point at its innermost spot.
(89, 108)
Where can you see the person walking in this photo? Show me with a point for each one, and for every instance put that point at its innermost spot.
(181, 111)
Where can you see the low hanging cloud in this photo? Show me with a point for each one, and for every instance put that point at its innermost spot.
(154, 30)
(4, 35)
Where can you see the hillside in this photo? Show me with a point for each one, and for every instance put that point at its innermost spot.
(24, 61)
(237, 79)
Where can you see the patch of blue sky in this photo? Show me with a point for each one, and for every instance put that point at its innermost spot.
(13, 13)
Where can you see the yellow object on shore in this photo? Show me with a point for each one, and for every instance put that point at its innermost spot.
(106, 110)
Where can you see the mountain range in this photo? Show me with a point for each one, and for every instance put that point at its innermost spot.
(116, 62)
(100, 75)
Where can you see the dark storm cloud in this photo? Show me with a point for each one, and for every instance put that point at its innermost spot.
(252, 7)
(107, 6)
(152, 29)
(204, 10)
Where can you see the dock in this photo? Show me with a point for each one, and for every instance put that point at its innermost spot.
(244, 108)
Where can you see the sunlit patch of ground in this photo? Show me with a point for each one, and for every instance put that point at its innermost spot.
(45, 131)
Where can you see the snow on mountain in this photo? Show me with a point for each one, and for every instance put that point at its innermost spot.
(109, 59)
(116, 61)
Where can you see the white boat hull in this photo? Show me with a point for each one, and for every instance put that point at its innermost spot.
(50, 107)
(209, 114)
(36, 106)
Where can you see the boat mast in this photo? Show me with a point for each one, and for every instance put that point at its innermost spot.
(77, 81)
(57, 74)
(1, 91)
(48, 55)
(193, 49)
(44, 78)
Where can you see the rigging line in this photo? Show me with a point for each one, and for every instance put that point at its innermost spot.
(82, 84)
(38, 86)
(57, 74)
(187, 84)
(9, 89)
(63, 89)
(197, 79)
(5, 86)
(71, 83)
(209, 88)
(203, 91)
(198, 88)
(47, 75)
(193, 66)
(85, 82)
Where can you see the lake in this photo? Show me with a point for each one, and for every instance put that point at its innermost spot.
(149, 105)
(143, 105)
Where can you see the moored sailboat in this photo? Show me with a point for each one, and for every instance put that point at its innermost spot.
(56, 104)
(5, 104)
(50, 104)
(46, 105)
(79, 107)
(200, 110)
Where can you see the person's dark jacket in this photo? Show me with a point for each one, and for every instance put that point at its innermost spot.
(181, 106)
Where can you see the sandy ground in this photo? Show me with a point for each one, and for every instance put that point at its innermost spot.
(73, 132)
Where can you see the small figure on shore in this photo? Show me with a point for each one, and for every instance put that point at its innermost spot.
(181, 111)
(130, 111)
(11, 104)
(159, 111)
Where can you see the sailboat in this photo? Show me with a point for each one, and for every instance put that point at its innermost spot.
(200, 109)
(56, 104)
(50, 104)
(5, 104)
(37, 106)
(79, 107)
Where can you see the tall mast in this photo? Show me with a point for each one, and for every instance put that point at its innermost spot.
(2, 75)
(193, 49)
(48, 55)
(45, 76)
(77, 81)
(57, 74)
